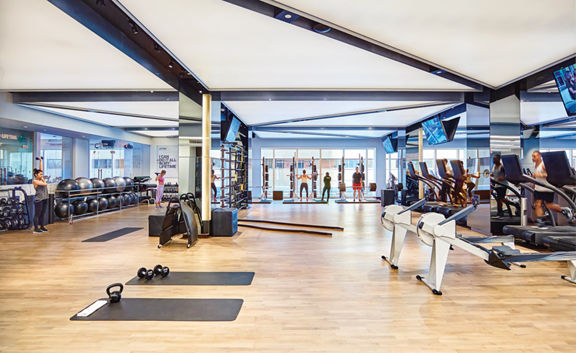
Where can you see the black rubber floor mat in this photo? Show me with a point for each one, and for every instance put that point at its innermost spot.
(112, 235)
(163, 309)
(198, 279)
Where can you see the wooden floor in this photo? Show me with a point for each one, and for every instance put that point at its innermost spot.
(310, 293)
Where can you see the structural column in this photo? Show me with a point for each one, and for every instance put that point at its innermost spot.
(420, 159)
(206, 161)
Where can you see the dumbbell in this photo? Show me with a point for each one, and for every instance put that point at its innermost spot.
(162, 271)
(145, 273)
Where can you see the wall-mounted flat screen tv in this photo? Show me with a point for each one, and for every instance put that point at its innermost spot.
(390, 145)
(434, 131)
(566, 82)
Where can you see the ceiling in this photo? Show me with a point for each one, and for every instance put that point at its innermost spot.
(45, 49)
(246, 50)
(491, 41)
(232, 48)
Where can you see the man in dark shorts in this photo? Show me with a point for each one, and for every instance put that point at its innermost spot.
(500, 176)
(357, 184)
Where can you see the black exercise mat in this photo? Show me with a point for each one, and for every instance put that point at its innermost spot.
(112, 235)
(163, 309)
(198, 279)
(367, 201)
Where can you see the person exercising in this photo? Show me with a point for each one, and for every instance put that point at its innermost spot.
(499, 175)
(357, 184)
(544, 195)
(470, 185)
(160, 188)
(304, 183)
(40, 200)
(327, 180)
(213, 178)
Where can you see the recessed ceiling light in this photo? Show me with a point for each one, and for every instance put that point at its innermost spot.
(170, 64)
(288, 16)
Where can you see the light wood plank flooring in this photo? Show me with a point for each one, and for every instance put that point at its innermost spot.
(310, 293)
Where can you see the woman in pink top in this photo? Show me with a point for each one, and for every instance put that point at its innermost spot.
(160, 188)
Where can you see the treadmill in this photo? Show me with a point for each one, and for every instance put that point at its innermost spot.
(554, 237)
(514, 217)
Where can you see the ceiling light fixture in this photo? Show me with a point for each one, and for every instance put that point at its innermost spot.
(171, 64)
(133, 27)
(288, 16)
(156, 47)
(320, 28)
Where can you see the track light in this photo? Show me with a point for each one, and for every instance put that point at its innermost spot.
(171, 64)
(156, 47)
(320, 28)
(133, 26)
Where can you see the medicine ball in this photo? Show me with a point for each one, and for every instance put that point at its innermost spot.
(80, 207)
(120, 184)
(134, 198)
(112, 201)
(110, 184)
(129, 183)
(103, 201)
(61, 209)
(84, 183)
(67, 185)
(93, 205)
(97, 183)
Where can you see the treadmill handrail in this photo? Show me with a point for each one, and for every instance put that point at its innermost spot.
(554, 189)
(514, 191)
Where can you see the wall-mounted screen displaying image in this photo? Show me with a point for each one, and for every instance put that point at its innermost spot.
(434, 131)
(390, 146)
(566, 82)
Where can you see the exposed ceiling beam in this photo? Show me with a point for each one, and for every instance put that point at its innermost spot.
(95, 96)
(99, 111)
(109, 21)
(354, 113)
(434, 96)
(317, 134)
(330, 30)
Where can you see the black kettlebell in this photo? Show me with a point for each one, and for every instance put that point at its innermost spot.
(162, 271)
(115, 295)
(145, 273)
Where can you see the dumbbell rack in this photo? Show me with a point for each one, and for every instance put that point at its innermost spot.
(234, 177)
(170, 191)
(94, 193)
(265, 180)
(341, 182)
(14, 211)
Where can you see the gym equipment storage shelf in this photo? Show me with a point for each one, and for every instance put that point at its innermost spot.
(234, 176)
(14, 211)
(73, 198)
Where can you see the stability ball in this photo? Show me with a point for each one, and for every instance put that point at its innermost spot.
(61, 209)
(103, 202)
(112, 201)
(67, 185)
(84, 183)
(110, 184)
(120, 184)
(97, 183)
(129, 183)
(80, 207)
(93, 205)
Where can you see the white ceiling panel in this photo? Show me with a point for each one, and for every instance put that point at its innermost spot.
(492, 41)
(337, 133)
(399, 118)
(247, 50)
(108, 119)
(163, 109)
(259, 112)
(274, 135)
(42, 48)
(541, 112)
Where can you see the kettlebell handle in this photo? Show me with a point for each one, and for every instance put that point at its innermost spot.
(109, 288)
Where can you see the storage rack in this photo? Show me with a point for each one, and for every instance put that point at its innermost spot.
(265, 180)
(88, 194)
(14, 211)
(170, 191)
(234, 176)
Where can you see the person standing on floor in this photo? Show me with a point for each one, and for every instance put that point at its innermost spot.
(41, 199)
(327, 180)
(213, 179)
(357, 184)
(304, 183)
(160, 188)
(544, 196)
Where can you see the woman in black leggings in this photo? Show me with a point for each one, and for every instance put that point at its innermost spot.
(41, 200)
